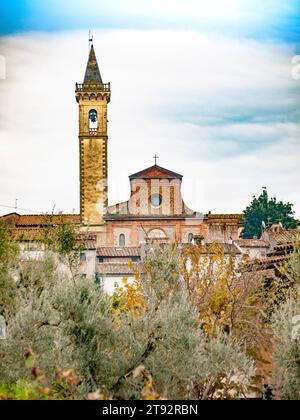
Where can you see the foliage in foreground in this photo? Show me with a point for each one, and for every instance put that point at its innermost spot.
(286, 324)
(184, 329)
(144, 342)
(286, 339)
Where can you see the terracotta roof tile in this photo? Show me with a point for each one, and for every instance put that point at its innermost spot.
(276, 258)
(287, 245)
(44, 219)
(155, 171)
(118, 252)
(10, 219)
(29, 227)
(251, 243)
(282, 237)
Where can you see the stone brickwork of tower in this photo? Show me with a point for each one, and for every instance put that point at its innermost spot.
(93, 96)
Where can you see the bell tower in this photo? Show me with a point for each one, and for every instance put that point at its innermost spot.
(93, 96)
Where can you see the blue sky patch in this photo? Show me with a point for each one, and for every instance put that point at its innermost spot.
(269, 19)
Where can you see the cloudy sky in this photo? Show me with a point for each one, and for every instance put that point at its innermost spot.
(208, 86)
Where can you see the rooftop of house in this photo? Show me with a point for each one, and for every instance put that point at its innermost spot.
(110, 251)
(154, 172)
(251, 243)
(282, 237)
(40, 219)
(29, 228)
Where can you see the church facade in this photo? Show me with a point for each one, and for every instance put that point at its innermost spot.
(155, 209)
(154, 212)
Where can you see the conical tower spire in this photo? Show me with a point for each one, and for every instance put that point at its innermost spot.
(92, 73)
(93, 97)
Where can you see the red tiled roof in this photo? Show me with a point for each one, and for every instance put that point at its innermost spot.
(275, 258)
(40, 219)
(10, 216)
(155, 171)
(118, 251)
(286, 236)
(44, 219)
(285, 246)
(283, 237)
(29, 227)
(251, 243)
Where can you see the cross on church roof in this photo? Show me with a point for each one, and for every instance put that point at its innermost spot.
(155, 157)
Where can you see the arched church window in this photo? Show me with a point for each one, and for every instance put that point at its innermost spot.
(93, 119)
(190, 238)
(122, 239)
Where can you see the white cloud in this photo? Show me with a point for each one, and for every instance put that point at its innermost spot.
(221, 111)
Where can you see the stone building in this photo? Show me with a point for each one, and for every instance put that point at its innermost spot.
(155, 210)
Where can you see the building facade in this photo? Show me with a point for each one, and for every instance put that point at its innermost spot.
(155, 209)
(154, 212)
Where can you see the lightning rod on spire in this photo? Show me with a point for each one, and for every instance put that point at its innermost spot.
(90, 39)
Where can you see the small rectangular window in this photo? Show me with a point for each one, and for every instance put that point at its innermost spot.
(82, 256)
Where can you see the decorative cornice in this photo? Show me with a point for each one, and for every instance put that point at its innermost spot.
(119, 217)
